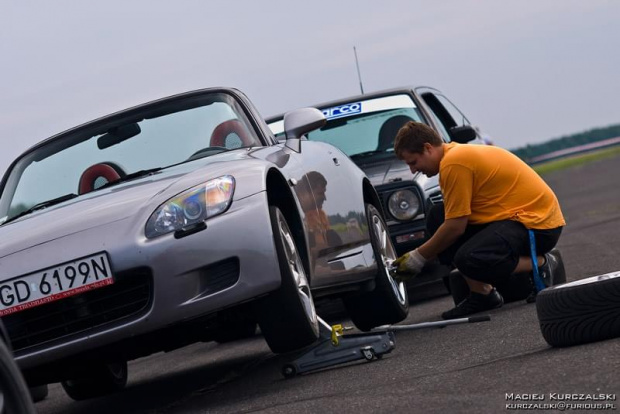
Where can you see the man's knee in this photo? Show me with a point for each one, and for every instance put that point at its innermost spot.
(484, 265)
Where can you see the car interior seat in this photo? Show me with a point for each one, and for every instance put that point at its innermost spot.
(231, 134)
(388, 131)
(98, 175)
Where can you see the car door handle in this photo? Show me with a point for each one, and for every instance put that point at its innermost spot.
(336, 161)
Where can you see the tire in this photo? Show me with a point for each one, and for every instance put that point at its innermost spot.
(287, 317)
(102, 379)
(582, 311)
(388, 303)
(14, 393)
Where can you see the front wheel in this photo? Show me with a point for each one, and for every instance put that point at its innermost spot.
(287, 317)
(388, 303)
(14, 395)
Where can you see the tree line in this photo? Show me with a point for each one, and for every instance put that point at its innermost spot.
(594, 135)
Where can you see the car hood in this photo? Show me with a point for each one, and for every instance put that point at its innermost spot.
(394, 170)
(387, 171)
(138, 197)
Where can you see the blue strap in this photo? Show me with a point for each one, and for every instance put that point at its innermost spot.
(538, 283)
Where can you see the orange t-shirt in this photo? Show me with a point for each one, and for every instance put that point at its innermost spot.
(489, 183)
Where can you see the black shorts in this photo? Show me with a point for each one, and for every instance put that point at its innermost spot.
(490, 252)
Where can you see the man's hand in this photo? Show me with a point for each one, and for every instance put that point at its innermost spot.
(409, 265)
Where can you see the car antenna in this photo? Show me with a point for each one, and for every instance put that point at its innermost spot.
(358, 70)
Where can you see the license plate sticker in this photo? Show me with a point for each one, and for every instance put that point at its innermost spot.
(55, 283)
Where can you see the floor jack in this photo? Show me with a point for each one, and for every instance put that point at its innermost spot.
(334, 347)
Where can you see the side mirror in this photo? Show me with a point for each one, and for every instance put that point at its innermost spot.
(299, 122)
(463, 134)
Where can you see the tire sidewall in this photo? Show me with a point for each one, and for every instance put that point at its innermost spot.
(580, 311)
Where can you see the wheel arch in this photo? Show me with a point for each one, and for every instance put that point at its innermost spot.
(279, 194)
(371, 196)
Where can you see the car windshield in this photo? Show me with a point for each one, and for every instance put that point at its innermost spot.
(132, 142)
(365, 129)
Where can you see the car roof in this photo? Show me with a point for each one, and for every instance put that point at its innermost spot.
(365, 96)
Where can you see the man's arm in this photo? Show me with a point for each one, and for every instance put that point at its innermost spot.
(449, 231)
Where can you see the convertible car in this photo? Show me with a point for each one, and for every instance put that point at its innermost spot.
(183, 220)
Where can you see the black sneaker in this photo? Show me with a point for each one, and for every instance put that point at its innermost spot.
(474, 303)
(551, 272)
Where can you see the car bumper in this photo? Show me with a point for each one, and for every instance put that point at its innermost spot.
(408, 236)
(179, 274)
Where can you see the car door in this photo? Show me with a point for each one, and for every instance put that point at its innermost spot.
(338, 233)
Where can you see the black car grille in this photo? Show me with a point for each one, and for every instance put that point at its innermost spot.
(129, 295)
(436, 198)
(219, 276)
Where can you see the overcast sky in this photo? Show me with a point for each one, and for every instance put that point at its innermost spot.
(525, 71)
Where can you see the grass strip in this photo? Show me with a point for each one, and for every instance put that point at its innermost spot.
(576, 160)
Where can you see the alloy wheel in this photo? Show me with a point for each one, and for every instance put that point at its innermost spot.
(387, 255)
(298, 272)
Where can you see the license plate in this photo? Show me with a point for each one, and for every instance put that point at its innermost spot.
(55, 283)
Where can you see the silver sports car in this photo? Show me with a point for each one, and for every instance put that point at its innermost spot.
(177, 221)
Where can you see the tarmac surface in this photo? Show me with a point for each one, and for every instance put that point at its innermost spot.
(462, 368)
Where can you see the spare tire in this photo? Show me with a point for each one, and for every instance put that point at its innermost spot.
(582, 311)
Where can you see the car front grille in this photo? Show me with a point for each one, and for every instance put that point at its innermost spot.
(436, 198)
(219, 276)
(129, 295)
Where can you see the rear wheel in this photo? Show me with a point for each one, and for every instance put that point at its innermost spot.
(287, 317)
(102, 379)
(388, 302)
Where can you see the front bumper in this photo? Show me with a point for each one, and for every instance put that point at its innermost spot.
(181, 279)
(407, 236)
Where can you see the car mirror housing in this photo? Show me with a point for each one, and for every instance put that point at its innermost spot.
(299, 122)
(463, 134)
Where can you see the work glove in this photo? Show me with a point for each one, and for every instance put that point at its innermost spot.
(408, 265)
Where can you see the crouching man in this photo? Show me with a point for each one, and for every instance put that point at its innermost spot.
(491, 200)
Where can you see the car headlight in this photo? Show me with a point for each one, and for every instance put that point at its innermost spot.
(192, 206)
(403, 204)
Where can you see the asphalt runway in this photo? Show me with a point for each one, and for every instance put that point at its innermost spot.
(460, 368)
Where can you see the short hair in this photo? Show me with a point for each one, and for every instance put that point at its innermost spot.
(413, 135)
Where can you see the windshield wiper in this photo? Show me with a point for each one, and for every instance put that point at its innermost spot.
(42, 205)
